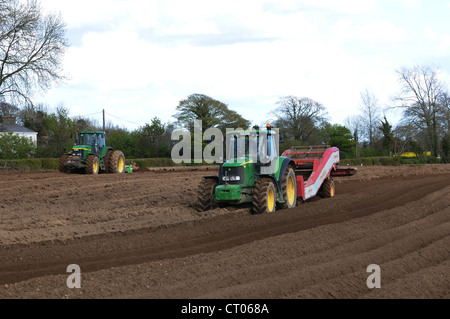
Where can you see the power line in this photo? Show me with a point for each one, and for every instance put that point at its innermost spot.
(124, 119)
(119, 118)
(91, 114)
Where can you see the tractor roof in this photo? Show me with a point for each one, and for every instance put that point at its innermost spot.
(268, 130)
(244, 132)
(92, 132)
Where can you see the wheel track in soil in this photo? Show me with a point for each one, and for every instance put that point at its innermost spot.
(97, 252)
(401, 247)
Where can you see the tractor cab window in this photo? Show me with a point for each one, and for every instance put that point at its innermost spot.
(251, 146)
(85, 139)
(267, 148)
(101, 140)
(272, 147)
(236, 146)
(96, 141)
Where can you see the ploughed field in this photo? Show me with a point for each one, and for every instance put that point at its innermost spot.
(138, 236)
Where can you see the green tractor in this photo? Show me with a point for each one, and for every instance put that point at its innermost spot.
(267, 181)
(92, 156)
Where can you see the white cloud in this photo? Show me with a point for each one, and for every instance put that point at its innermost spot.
(139, 58)
(441, 42)
(410, 3)
(372, 31)
(111, 13)
(342, 6)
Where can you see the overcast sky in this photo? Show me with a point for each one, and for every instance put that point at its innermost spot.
(137, 59)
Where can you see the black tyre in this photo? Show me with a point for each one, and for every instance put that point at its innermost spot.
(116, 163)
(289, 189)
(92, 165)
(206, 196)
(328, 189)
(106, 160)
(264, 196)
(62, 160)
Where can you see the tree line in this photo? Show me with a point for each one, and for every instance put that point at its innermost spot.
(300, 120)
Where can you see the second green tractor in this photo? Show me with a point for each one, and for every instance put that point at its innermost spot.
(91, 155)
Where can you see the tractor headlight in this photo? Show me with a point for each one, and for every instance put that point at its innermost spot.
(77, 152)
(231, 178)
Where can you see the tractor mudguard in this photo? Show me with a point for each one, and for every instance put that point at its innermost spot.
(283, 168)
(105, 150)
(212, 177)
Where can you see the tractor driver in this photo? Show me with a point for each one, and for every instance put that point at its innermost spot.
(92, 141)
(96, 143)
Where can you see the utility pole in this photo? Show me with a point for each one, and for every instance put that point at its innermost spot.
(104, 126)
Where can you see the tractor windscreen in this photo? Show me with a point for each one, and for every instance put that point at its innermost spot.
(96, 139)
(257, 147)
(87, 139)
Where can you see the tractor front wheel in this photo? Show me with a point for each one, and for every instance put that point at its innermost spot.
(92, 165)
(264, 196)
(62, 160)
(116, 163)
(206, 196)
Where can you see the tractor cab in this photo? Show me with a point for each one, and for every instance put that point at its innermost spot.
(93, 141)
(257, 146)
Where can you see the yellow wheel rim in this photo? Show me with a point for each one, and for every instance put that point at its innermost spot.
(291, 191)
(332, 190)
(121, 164)
(95, 167)
(270, 200)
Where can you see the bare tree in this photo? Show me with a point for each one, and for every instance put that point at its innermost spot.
(445, 112)
(8, 109)
(31, 48)
(405, 137)
(370, 115)
(421, 91)
(354, 124)
(299, 118)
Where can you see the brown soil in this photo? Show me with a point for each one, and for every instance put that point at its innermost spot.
(137, 236)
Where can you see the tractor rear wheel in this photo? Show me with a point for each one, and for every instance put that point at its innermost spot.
(116, 163)
(106, 160)
(92, 165)
(206, 197)
(328, 189)
(264, 196)
(289, 189)
(62, 160)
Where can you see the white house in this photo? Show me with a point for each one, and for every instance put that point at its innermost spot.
(10, 125)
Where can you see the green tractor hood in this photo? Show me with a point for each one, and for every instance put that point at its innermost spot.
(234, 162)
(82, 147)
